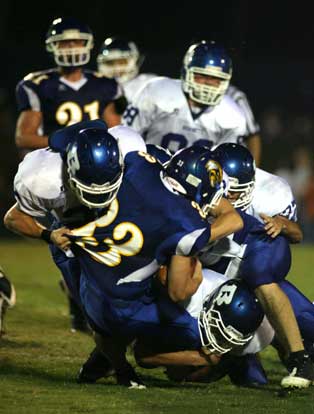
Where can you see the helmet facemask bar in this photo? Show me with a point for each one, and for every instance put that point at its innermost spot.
(246, 193)
(202, 93)
(88, 193)
(215, 336)
(70, 56)
(214, 201)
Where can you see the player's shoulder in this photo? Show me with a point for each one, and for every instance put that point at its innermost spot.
(41, 173)
(129, 140)
(40, 77)
(228, 113)
(235, 93)
(98, 77)
(160, 85)
(263, 178)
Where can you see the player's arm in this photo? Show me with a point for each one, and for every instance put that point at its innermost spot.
(26, 133)
(281, 225)
(184, 277)
(23, 224)
(191, 358)
(254, 144)
(227, 220)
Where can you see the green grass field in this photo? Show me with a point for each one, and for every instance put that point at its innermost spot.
(40, 357)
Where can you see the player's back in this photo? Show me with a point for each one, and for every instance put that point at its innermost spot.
(142, 229)
(272, 196)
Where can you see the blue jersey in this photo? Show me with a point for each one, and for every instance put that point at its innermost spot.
(143, 228)
(260, 258)
(64, 104)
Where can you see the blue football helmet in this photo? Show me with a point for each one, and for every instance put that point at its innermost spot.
(230, 316)
(238, 163)
(161, 154)
(119, 59)
(194, 173)
(95, 167)
(69, 28)
(206, 58)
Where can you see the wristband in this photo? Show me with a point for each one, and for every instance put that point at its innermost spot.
(45, 235)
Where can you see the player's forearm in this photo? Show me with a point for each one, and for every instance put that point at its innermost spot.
(225, 224)
(291, 230)
(31, 141)
(183, 277)
(191, 358)
(22, 224)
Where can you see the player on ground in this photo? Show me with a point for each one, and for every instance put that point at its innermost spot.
(126, 228)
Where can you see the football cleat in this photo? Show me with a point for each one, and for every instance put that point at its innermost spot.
(301, 371)
(96, 367)
(128, 378)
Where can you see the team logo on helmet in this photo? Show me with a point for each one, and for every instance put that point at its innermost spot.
(215, 172)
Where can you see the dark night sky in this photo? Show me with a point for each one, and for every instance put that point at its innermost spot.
(270, 41)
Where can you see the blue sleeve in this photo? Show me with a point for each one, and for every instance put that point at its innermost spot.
(183, 244)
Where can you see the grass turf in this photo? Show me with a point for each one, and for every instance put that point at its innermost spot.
(40, 357)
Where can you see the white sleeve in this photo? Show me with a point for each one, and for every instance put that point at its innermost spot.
(241, 99)
(262, 337)
(141, 113)
(129, 140)
(26, 200)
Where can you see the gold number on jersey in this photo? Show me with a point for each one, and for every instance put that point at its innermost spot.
(92, 110)
(147, 157)
(70, 113)
(198, 208)
(113, 255)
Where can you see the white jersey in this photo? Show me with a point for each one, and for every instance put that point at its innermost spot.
(242, 101)
(133, 86)
(211, 281)
(272, 196)
(39, 184)
(161, 113)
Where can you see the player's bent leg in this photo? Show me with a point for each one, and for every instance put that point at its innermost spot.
(96, 367)
(280, 313)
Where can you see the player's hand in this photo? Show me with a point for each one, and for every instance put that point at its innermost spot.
(273, 225)
(59, 238)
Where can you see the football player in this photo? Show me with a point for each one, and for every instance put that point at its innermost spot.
(121, 59)
(113, 197)
(51, 99)
(176, 113)
(265, 196)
